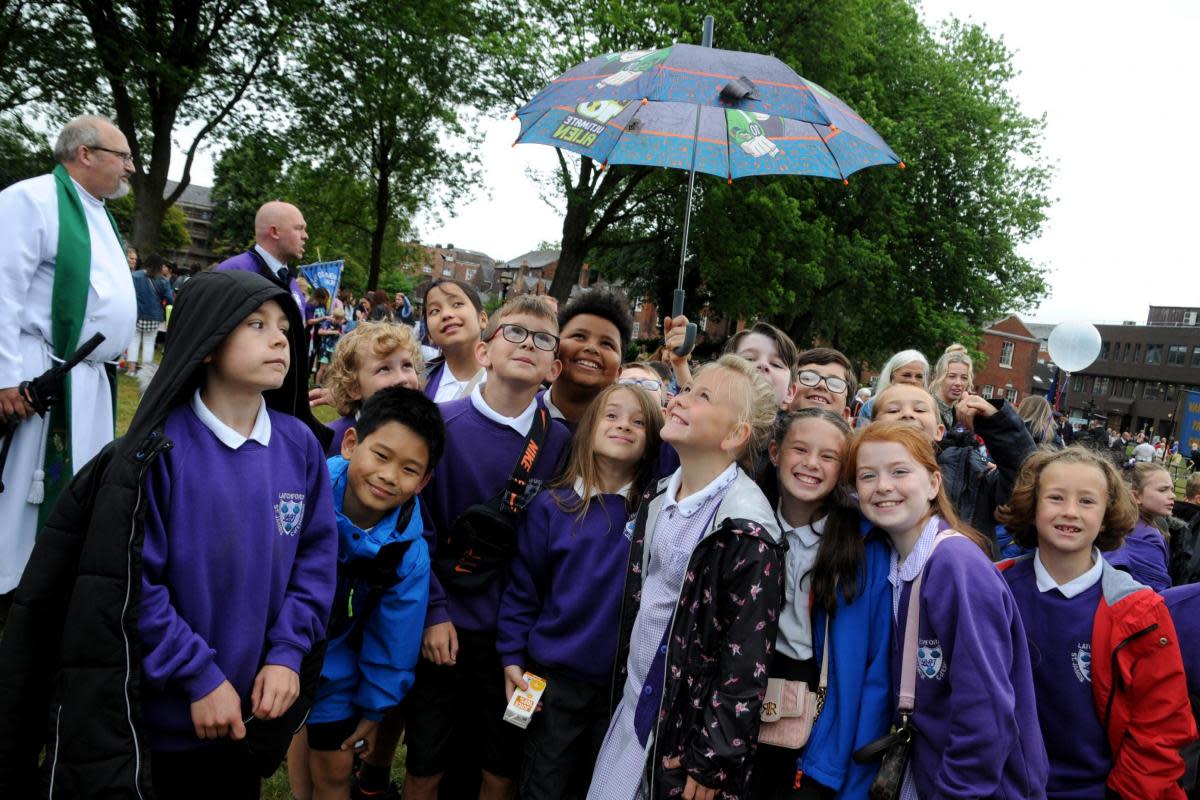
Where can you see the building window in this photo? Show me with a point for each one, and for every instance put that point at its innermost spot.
(1077, 383)
(1172, 392)
(637, 330)
(1006, 354)
(1104, 351)
(1137, 353)
(988, 392)
(1196, 356)
(1154, 353)
(1010, 396)
(1150, 392)
(470, 274)
(427, 269)
(1177, 355)
(637, 305)
(1125, 352)
(1100, 387)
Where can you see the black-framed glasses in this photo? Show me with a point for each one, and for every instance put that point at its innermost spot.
(124, 155)
(812, 380)
(646, 383)
(516, 334)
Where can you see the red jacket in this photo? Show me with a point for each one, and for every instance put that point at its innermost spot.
(1139, 688)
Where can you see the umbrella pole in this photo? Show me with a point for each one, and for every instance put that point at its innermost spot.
(689, 337)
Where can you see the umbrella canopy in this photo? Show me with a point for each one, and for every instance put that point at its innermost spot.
(723, 112)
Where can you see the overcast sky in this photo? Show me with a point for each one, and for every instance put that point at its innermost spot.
(1117, 82)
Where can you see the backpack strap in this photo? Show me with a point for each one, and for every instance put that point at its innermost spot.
(908, 661)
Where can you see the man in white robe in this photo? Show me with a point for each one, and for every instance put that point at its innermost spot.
(96, 156)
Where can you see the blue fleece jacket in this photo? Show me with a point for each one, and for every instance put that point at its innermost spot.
(369, 680)
(858, 701)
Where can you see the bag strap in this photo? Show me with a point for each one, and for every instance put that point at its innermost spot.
(908, 661)
(517, 495)
(824, 682)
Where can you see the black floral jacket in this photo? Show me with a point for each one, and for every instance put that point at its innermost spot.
(722, 638)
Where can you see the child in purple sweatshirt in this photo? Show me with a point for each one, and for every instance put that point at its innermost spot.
(237, 563)
(559, 616)
(1144, 554)
(975, 717)
(459, 690)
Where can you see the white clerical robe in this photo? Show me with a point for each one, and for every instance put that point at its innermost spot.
(28, 247)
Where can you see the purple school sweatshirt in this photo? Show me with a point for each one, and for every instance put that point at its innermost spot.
(1144, 556)
(479, 457)
(563, 600)
(1184, 604)
(1060, 637)
(238, 566)
(976, 713)
(339, 427)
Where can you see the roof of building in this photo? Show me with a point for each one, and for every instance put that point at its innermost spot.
(1041, 329)
(534, 259)
(193, 195)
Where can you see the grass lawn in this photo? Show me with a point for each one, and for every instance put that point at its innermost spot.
(128, 395)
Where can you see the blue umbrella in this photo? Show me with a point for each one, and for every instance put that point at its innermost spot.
(723, 112)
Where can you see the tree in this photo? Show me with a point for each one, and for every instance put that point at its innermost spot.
(165, 67)
(248, 173)
(930, 251)
(173, 233)
(395, 76)
(23, 154)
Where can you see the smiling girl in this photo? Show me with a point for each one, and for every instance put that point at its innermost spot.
(454, 319)
(832, 577)
(1144, 553)
(953, 376)
(1111, 692)
(976, 730)
(559, 613)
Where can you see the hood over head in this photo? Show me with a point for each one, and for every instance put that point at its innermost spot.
(209, 306)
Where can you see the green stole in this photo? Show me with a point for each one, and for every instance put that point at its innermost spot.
(68, 307)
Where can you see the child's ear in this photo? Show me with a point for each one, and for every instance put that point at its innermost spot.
(941, 431)
(555, 368)
(846, 412)
(349, 443)
(483, 320)
(935, 483)
(481, 354)
(773, 452)
(790, 395)
(737, 437)
(424, 481)
(354, 392)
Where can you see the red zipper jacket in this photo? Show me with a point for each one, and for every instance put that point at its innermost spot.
(1138, 687)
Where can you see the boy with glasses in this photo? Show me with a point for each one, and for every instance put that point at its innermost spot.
(825, 380)
(455, 710)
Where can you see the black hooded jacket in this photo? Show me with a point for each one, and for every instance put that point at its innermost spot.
(71, 640)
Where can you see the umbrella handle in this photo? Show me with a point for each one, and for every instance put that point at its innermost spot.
(689, 336)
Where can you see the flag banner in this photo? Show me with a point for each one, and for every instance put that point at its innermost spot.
(1189, 426)
(325, 275)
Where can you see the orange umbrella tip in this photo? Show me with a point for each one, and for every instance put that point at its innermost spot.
(845, 182)
(645, 101)
(730, 180)
(604, 166)
(903, 165)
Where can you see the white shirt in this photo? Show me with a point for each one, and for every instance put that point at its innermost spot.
(1072, 588)
(692, 503)
(261, 432)
(795, 639)
(1143, 452)
(555, 411)
(900, 574)
(451, 388)
(622, 492)
(273, 263)
(520, 423)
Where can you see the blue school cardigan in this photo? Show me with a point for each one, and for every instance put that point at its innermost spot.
(858, 703)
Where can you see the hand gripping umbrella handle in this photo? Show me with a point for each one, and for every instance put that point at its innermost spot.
(689, 336)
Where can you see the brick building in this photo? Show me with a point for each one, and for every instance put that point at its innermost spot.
(1010, 353)
(1142, 372)
(196, 205)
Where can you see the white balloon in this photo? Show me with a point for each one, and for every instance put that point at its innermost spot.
(1074, 345)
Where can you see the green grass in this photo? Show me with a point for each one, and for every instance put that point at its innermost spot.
(128, 395)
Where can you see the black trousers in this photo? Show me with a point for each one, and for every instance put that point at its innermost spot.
(564, 738)
(221, 770)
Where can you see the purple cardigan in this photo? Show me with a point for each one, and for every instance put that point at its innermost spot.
(251, 261)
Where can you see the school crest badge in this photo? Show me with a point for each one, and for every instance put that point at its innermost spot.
(1081, 660)
(289, 512)
(931, 663)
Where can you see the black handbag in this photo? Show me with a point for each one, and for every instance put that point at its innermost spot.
(483, 539)
(267, 740)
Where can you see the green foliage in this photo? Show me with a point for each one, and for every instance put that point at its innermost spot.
(247, 174)
(23, 154)
(378, 98)
(929, 251)
(172, 234)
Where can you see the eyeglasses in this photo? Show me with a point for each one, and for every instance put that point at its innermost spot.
(646, 383)
(812, 380)
(516, 334)
(124, 155)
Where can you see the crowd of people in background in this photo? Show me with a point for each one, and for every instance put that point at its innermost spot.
(554, 569)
